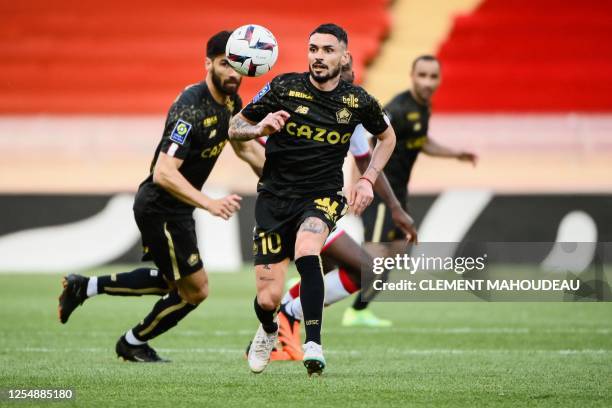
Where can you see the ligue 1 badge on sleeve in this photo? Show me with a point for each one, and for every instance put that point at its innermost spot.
(180, 132)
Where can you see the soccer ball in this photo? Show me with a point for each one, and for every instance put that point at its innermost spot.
(251, 50)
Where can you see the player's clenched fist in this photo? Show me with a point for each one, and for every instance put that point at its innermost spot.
(224, 207)
(273, 122)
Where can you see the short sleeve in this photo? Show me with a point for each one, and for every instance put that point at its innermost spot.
(372, 116)
(360, 145)
(263, 103)
(178, 131)
(394, 111)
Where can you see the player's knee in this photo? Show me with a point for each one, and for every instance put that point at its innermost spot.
(269, 300)
(306, 249)
(195, 296)
(269, 304)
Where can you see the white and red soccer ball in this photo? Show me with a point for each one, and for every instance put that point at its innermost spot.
(252, 50)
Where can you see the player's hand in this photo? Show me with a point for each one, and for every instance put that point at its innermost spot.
(224, 207)
(405, 223)
(361, 196)
(273, 122)
(468, 157)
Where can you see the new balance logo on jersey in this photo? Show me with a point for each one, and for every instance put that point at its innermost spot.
(302, 109)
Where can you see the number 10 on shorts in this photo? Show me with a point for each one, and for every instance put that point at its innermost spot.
(270, 243)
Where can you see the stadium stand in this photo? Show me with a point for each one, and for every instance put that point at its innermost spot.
(534, 56)
(418, 27)
(103, 77)
(134, 57)
(541, 67)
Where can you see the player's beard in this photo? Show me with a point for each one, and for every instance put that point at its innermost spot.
(324, 78)
(225, 86)
(424, 94)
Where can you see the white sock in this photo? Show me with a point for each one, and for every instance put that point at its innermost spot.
(334, 292)
(334, 289)
(294, 309)
(287, 298)
(129, 337)
(92, 286)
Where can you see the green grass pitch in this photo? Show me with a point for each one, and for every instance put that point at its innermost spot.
(437, 354)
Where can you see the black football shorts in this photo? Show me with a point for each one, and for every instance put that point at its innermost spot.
(171, 243)
(278, 219)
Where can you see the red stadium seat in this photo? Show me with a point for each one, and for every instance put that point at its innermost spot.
(135, 57)
(524, 55)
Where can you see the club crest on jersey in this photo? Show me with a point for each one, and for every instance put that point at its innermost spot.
(261, 93)
(343, 116)
(180, 132)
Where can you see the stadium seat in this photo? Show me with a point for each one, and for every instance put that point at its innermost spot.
(135, 57)
(535, 56)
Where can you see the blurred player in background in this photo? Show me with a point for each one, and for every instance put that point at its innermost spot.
(409, 112)
(195, 134)
(300, 192)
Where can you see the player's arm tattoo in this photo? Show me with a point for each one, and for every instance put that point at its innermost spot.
(267, 268)
(241, 130)
(314, 225)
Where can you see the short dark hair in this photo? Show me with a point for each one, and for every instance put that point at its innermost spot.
(425, 57)
(216, 44)
(332, 29)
